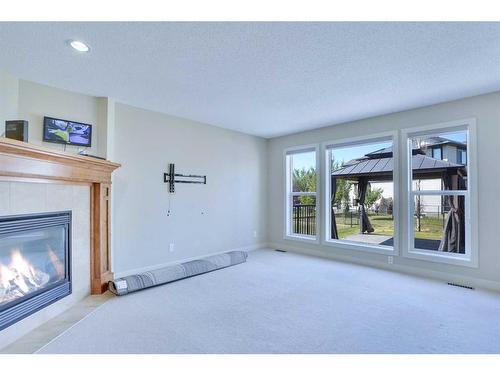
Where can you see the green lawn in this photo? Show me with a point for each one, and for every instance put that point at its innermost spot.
(345, 231)
(383, 225)
(431, 227)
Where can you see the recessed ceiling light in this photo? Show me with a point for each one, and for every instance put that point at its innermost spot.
(79, 46)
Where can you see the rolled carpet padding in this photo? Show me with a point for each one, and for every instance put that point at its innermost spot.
(129, 284)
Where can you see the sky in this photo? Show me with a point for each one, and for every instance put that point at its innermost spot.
(304, 160)
(344, 154)
(307, 160)
(457, 136)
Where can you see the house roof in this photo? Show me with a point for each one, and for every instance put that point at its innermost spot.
(387, 153)
(436, 141)
(429, 142)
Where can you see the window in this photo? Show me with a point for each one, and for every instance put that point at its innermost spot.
(360, 190)
(462, 156)
(362, 180)
(439, 225)
(301, 187)
(437, 153)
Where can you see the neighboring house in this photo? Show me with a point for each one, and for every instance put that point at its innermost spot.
(442, 149)
(445, 149)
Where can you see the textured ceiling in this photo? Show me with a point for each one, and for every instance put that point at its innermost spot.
(266, 79)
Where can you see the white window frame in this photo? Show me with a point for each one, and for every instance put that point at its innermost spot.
(288, 233)
(470, 258)
(354, 141)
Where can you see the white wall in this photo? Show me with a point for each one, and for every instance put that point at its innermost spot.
(9, 96)
(486, 109)
(205, 219)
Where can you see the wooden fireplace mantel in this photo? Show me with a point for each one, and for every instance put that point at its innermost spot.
(25, 162)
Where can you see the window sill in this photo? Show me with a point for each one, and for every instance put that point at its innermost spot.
(308, 239)
(367, 248)
(441, 257)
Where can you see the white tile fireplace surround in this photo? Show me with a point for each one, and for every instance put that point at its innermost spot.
(31, 197)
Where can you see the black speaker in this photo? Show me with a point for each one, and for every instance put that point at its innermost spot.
(17, 129)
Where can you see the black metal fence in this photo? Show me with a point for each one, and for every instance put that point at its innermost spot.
(350, 218)
(304, 219)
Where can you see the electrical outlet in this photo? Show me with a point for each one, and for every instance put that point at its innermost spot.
(171, 248)
(390, 259)
(254, 234)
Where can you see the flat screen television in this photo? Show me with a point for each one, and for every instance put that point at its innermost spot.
(67, 132)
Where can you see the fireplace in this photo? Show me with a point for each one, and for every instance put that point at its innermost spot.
(35, 255)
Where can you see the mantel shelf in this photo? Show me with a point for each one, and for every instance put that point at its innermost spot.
(25, 160)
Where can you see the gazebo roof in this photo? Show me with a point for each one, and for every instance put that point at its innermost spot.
(379, 165)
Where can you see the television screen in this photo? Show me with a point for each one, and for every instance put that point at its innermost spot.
(67, 132)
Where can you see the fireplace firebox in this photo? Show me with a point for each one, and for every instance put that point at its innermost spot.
(35, 263)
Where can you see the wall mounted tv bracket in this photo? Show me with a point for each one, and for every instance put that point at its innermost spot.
(172, 178)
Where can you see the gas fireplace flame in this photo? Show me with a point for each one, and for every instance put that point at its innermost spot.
(58, 265)
(5, 276)
(20, 277)
(25, 274)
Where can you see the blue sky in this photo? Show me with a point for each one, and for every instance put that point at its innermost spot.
(344, 154)
(457, 136)
(308, 160)
(304, 161)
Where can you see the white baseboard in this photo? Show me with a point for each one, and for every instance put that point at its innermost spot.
(430, 274)
(160, 265)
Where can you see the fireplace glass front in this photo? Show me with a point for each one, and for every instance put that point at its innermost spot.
(34, 263)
